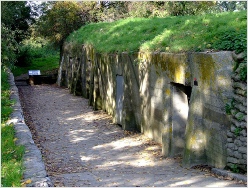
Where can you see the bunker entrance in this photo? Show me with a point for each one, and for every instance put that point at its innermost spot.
(180, 108)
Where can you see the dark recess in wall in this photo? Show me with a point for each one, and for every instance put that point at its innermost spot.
(186, 89)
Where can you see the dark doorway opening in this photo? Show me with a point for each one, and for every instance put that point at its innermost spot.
(179, 116)
(185, 89)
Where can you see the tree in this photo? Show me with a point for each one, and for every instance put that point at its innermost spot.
(59, 20)
(180, 8)
(9, 47)
(16, 18)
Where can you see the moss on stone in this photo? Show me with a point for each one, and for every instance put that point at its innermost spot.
(207, 69)
(168, 92)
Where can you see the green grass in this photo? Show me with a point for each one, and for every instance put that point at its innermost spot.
(37, 55)
(170, 34)
(43, 64)
(11, 154)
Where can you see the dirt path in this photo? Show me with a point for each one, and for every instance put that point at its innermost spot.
(82, 148)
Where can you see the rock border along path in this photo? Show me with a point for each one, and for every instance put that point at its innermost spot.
(34, 168)
(82, 148)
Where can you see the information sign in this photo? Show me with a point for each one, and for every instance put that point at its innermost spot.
(34, 72)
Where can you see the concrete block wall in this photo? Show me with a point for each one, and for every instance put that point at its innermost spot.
(206, 137)
(152, 88)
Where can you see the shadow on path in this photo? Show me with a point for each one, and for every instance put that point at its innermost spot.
(82, 148)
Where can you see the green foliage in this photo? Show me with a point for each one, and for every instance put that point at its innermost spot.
(9, 47)
(11, 154)
(43, 56)
(243, 73)
(15, 21)
(170, 34)
(232, 40)
(11, 158)
(24, 56)
(229, 106)
(236, 65)
(60, 20)
(180, 8)
(240, 117)
(237, 131)
(6, 103)
(234, 168)
(16, 15)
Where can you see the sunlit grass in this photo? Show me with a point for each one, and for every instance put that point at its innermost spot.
(43, 64)
(42, 57)
(171, 34)
(11, 154)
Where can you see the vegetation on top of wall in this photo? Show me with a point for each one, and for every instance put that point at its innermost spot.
(224, 31)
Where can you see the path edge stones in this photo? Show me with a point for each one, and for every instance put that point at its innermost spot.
(34, 167)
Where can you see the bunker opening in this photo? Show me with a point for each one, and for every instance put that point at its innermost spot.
(180, 108)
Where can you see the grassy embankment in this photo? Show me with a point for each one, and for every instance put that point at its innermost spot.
(11, 154)
(225, 31)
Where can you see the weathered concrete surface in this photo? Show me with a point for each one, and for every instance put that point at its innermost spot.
(148, 96)
(32, 160)
(83, 148)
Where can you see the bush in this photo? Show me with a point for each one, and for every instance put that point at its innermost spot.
(37, 54)
(232, 40)
(24, 57)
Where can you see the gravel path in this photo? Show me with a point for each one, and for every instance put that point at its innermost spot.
(82, 148)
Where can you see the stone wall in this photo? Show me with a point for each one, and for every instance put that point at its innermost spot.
(176, 99)
(237, 134)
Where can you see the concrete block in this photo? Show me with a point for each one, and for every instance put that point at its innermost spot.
(236, 147)
(230, 146)
(240, 86)
(230, 152)
(237, 155)
(240, 116)
(230, 140)
(233, 128)
(242, 150)
(243, 132)
(243, 161)
(232, 160)
(238, 123)
(245, 156)
(230, 134)
(238, 142)
(240, 99)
